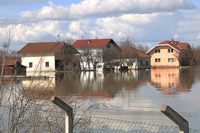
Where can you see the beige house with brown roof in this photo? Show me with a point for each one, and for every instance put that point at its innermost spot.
(171, 54)
(47, 56)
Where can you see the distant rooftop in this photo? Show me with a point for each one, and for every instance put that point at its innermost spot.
(91, 42)
(42, 47)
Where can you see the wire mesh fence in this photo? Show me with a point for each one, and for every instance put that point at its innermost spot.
(93, 124)
(54, 121)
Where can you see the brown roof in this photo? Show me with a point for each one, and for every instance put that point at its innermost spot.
(130, 51)
(91, 43)
(42, 47)
(10, 62)
(183, 45)
(172, 43)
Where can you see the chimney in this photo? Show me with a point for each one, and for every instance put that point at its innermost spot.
(173, 41)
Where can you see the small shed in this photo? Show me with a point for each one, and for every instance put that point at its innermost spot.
(13, 67)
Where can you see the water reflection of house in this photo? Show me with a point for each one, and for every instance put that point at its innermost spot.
(169, 81)
(100, 85)
(40, 88)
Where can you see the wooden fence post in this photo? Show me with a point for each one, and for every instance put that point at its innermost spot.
(69, 113)
(177, 118)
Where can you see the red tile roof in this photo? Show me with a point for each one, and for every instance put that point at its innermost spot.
(194, 51)
(172, 43)
(130, 51)
(179, 46)
(10, 62)
(42, 47)
(91, 43)
(183, 45)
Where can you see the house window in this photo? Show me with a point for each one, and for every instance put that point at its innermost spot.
(171, 85)
(157, 51)
(170, 59)
(46, 64)
(147, 63)
(59, 52)
(141, 63)
(157, 75)
(30, 64)
(170, 75)
(157, 60)
(170, 50)
(158, 85)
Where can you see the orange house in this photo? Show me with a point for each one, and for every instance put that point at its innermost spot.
(171, 54)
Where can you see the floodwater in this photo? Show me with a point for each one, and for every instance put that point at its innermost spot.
(135, 95)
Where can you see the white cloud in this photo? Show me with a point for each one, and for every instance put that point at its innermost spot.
(188, 27)
(198, 36)
(8, 21)
(36, 32)
(145, 27)
(46, 30)
(175, 36)
(191, 15)
(104, 8)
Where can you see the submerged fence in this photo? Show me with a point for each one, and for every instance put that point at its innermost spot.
(92, 124)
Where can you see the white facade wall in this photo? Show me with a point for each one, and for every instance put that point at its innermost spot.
(95, 55)
(39, 62)
(137, 63)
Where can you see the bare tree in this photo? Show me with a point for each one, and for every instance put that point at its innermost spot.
(141, 47)
(69, 41)
(196, 54)
(129, 41)
(185, 57)
(6, 47)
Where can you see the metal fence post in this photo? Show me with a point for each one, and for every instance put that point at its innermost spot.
(177, 118)
(68, 115)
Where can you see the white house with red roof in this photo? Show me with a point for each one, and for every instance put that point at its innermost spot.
(171, 54)
(46, 56)
(132, 58)
(93, 51)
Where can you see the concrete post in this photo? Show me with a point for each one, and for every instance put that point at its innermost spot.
(177, 118)
(68, 116)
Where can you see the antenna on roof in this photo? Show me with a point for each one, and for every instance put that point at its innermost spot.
(58, 37)
(173, 41)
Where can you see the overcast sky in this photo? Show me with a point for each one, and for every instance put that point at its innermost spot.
(146, 21)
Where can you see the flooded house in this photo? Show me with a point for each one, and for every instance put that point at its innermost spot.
(171, 54)
(13, 67)
(48, 57)
(132, 58)
(93, 51)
